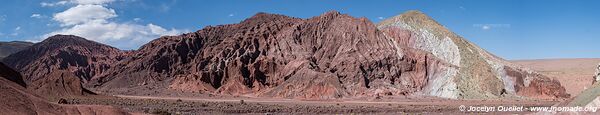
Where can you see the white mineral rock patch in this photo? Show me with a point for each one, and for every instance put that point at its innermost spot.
(508, 81)
(395, 44)
(597, 75)
(441, 47)
(441, 83)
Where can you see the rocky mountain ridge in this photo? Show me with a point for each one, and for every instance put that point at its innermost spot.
(329, 56)
(7, 48)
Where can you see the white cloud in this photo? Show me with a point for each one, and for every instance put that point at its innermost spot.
(59, 3)
(381, 18)
(491, 26)
(92, 1)
(36, 16)
(485, 27)
(94, 22)
(84, 13)
(18, 28)
(137, 19)
(230, 15)
(79, 2)
(126, 35)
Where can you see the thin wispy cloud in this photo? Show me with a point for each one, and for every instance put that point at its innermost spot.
(48, 4)
(166, 6)
(490, 26)
(66, 2)
(485, 27)
(36, 16)
(2, 18)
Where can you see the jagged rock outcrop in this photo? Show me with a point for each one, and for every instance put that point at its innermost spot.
(16, 100)
(471, 71)
(7, 48)
(60, 64)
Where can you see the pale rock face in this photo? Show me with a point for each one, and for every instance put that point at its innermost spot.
(464, 70)
(444, 49)
(441, 83)
(508, 81)
(597, 76)
(442, 76)
(594, 103)
(396, 46)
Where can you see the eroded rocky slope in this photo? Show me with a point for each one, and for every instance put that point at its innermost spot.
(328, 56)
(324, 57)
(472, 72)
(59, 65)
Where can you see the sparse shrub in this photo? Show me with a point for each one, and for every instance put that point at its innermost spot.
(242, 102)
(63, 101)
(161, 112)
(179, 100)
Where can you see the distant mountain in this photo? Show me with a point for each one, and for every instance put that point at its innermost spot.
(60, 64)
(471, 71)
(7, 48)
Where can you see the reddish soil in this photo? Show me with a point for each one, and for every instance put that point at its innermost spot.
(236, 105)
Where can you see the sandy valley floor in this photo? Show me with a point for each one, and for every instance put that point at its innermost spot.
(575, 74)
(237, 105)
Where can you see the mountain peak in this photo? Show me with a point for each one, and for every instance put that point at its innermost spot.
(414, 13)
(63, 38)
(59, 41)
(412, 17)
(332, 12)
(262, 17)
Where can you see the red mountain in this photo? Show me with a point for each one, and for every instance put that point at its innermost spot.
(328, 56)
(60, 64)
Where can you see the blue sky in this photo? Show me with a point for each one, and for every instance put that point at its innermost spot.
(512, 29)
